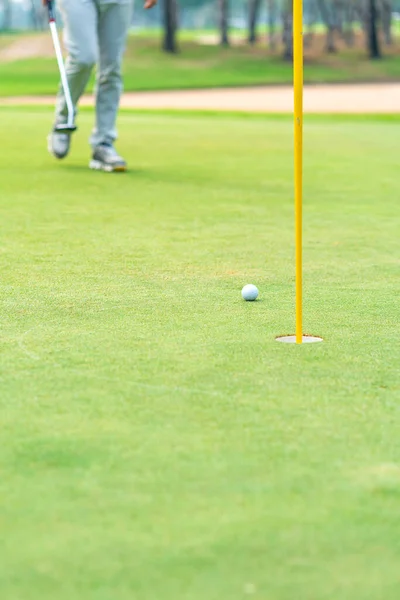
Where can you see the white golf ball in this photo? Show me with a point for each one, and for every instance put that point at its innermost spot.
(249, 292)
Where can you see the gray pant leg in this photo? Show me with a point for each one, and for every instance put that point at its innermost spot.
(80, 19)
(114, 22)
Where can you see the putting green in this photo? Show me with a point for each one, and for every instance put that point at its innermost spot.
(156, 441)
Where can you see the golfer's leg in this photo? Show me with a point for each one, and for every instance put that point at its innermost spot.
(113, 26)
(80, 19)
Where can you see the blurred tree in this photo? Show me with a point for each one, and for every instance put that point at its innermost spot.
(254, 9)
(339, 14)
(386, 12)
(223, 8)
(373, 42)
(287, 35)
(350, 15)
(7, 15)
(272, 14)
(170, 18)
(327, 8)
(311, 19)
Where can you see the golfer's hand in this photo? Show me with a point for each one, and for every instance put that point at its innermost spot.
(149, 4)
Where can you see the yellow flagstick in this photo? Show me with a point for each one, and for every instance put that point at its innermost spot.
(298, 157)
(299, 338)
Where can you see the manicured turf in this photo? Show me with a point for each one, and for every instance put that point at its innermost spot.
(157, 443)
(199, 66)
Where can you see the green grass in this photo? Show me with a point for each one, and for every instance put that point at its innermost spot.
(198, 66)
(156, 441)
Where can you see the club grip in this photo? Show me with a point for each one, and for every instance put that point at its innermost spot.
(52, 12)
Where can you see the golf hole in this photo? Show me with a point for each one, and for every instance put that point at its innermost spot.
(306, 339)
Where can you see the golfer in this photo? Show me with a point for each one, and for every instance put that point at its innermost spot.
(95, 33)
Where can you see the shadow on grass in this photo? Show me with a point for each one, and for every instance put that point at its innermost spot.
(84, 167)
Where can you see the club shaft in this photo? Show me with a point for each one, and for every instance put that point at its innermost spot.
(63, 75)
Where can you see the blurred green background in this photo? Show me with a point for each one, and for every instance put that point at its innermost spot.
(215, 43)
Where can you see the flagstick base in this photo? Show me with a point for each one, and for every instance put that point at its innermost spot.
(306, 339)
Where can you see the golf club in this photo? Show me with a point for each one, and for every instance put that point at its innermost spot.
(68, 127)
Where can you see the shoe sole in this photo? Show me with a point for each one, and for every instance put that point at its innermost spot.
(97, 165)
